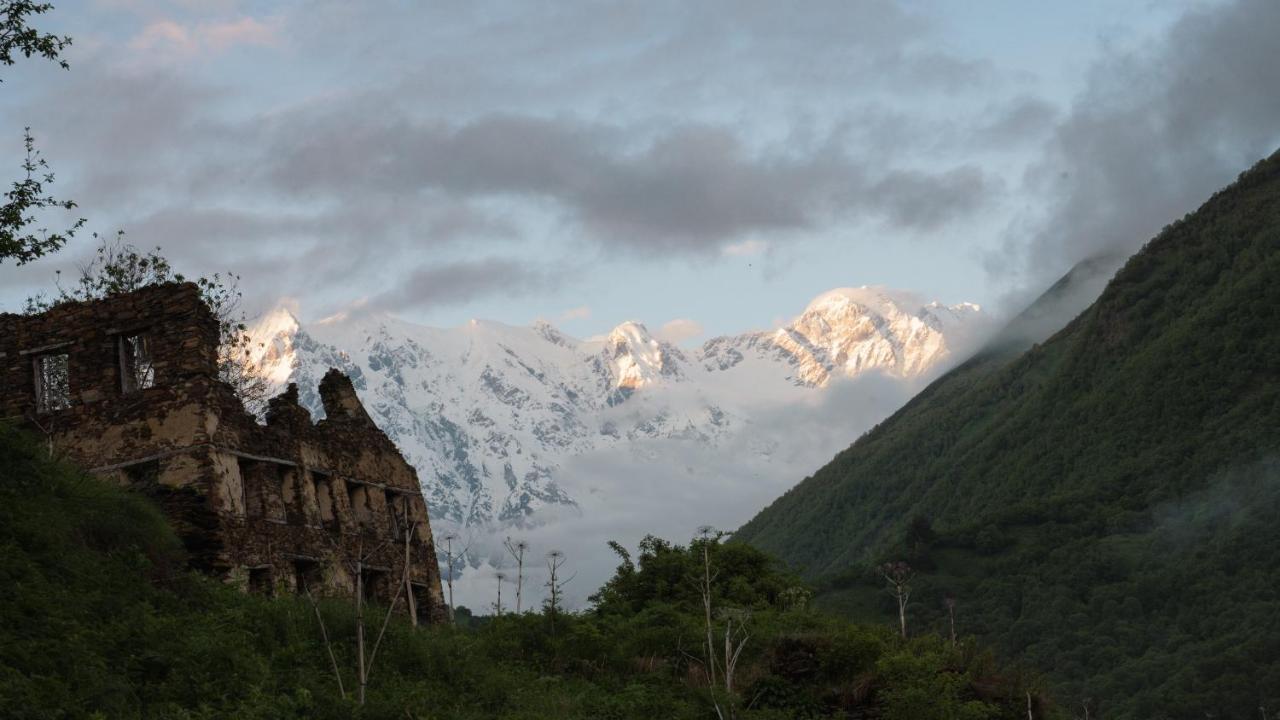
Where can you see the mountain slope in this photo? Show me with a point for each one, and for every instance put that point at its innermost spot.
(1066, 460)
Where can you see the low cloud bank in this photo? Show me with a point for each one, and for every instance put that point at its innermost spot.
(668, 488)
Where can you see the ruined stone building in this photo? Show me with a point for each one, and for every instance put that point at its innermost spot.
(128, 388)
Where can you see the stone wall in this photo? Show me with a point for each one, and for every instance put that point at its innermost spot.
(127, 387)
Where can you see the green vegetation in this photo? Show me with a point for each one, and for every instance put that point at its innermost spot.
(20, 240)
(1103, 504)
(99, 618)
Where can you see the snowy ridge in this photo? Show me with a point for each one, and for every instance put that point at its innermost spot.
(489, 412)
(848, 331)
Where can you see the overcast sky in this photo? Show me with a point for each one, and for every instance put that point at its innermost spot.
(717, 163)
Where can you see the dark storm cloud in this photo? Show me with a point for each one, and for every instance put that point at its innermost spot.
(1154, 134)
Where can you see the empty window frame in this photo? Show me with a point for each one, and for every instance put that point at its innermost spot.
(373, 584)
(397, 520)
(421, 602)
(261, 581)
(325, 499)
(53, 386)
(261, 484)
(358, 501)
(306, 575)
(137, 372)
(143, 475)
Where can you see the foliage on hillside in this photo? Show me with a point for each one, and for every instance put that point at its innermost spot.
(99, 619)
(1050, 475)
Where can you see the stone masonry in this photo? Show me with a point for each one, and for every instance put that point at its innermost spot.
(128, 388)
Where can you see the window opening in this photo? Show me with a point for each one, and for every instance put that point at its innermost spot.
(306, 575)
(53, 386)
(137, 372)
(143, 475)
(373, 584)
(260, 581)
(358, 500)
(324, 500)
(422, 602)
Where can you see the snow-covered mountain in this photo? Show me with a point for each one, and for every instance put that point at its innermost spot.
(489, 413)
(848, 331)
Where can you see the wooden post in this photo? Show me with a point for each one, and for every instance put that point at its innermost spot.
(448, 556)
(408, 576)
(360, 667)
(951, 612)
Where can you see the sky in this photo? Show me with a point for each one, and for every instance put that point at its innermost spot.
(705, 167)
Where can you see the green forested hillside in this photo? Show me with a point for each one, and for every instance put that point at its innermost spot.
(1103, 504)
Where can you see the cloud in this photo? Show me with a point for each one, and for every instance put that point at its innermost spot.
(456, 283)
(746, 248)
(313, 178)
(670, 487)
(678, 330)
(171, 40)
(501, 129)
(582, 312)
(692, 189)
(1157, 130)
(1016, 122)
(926, 201)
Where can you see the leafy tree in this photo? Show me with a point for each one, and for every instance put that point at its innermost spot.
(19, 240)
(17, 37)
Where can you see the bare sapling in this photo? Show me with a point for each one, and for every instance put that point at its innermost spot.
(449, 559)
(328, 645)
(735, 634)
(898, 575)
(356, 567)
(735, 639)
(410, 600)
(707, 533)
(950, 602)
(555, 585)
(517, 549)
(497, 606)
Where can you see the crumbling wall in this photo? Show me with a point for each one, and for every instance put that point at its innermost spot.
(265, 506)
(183, 345)
(340, 476)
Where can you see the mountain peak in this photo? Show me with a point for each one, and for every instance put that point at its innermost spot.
(870, 295)
(279, 319)
(552, 334)
(638, 359)
(632, 331)
(271, 351)
(849, 330)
